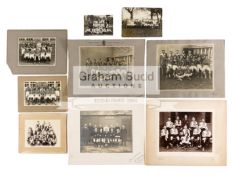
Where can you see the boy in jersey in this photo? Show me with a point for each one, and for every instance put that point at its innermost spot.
(174, 136)
(206, 139)
(178, 123)
(193, 125)
(196, 137)
(169, 124)
(164, 137)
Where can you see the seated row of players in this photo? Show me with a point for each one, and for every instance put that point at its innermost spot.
(42, 135)
(109, 61)
(103, 136)
(40, 52)
(183, 59)
(42, 95)
(184, 134)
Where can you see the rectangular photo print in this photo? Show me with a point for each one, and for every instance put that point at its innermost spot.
(98, 25)
(186, 66)
(186, 132)
(106, 131)
(42, 133)
(105, 66)
(42, 94)
(35, 51)
(141, 22)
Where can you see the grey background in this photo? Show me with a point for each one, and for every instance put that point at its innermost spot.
(61, 52)
(219, 69)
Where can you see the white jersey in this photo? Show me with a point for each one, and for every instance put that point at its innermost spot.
(193, 124)
(164, 132)
(206, 134)
(196, 131)
(203, 125)
(178, 122)
(186, 131)
(174, 131)
(169, 124)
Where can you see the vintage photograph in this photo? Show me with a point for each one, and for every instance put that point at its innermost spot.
(186, 132)
(98, 25)
(141, 22)
(106, 131)
(106, 65)
(42, 93)
(42, 132)
(186, 66)
(37, 51)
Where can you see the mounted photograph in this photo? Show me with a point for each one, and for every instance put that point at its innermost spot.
(141, 22)
(46, 94)
(42, 133)
(106, 68)
(186, 132)
(98, 25)
(106, 131)
(187, 68)
(37, 51)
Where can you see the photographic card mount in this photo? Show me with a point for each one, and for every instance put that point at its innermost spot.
(37, 51)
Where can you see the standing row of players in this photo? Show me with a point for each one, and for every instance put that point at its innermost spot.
(36, 52)
(103, 136)
(186, 134)
(42, 95)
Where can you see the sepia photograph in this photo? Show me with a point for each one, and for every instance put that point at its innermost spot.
(186, 132)
(98, 25)
(41, 133)
(37, 51)
(106, 131)
(42, 93)
(141, 22)
(186, 66)
(105, 65)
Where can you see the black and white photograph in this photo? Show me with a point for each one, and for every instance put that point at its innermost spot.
(42, 93)
(106, 65)
(141, 22)
(42, 133)
(98, 25)
(106, 131)
(186, 66)
(186, 132)
(35, 51)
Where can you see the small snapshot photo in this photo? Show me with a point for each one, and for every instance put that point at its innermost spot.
(36, 51)
(105, 65)
(98, 25)
(186, 66)
(42, 93)
(186, 132)
(141, 22)
(42, 133)
(106, 131)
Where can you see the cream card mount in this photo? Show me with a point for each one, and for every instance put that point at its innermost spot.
(37, 51)
(186, 132)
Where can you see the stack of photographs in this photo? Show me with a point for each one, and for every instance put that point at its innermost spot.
(169, 111)
(42, 99)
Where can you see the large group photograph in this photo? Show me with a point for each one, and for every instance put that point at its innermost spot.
(37, 51)
(42, 93)
(186, 66)
(106, 131)
(105, 65)
(186, 132)
(141, 22)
